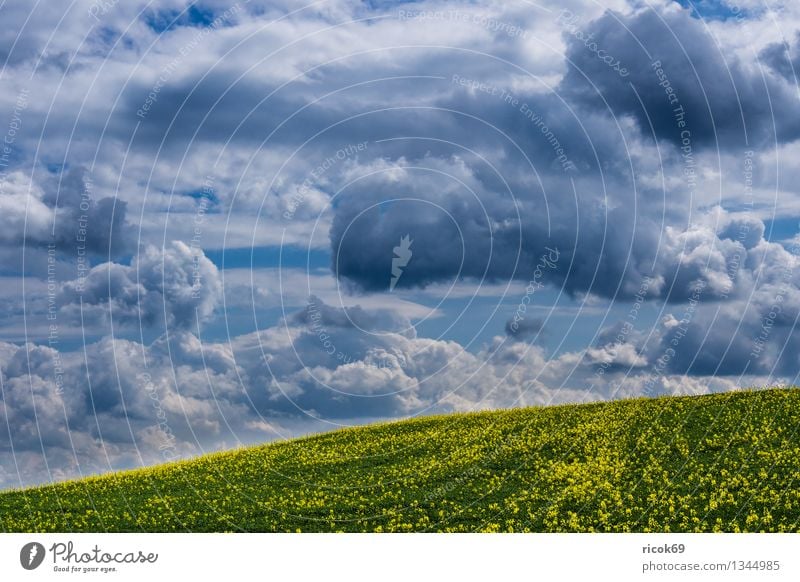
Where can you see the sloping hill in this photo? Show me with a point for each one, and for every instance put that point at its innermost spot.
(728, 462)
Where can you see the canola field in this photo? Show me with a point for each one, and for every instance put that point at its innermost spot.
(724, 462)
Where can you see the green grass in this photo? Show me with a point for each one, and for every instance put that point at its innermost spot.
(725, 462)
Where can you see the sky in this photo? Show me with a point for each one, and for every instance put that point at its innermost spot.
(227, 223)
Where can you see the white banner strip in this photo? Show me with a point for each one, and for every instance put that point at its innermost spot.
(402, 557)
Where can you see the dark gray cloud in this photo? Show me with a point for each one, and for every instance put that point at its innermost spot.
(85, 220)
(318, 313)
(727, 103)
(463, 229)
(524, 329)
(65, 213)
(613, 229)
(783, 58)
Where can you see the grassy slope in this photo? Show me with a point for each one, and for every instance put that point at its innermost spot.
(726, 462)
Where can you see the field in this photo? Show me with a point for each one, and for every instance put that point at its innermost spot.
(725, 462)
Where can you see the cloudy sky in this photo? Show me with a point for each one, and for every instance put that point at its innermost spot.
(234, 222)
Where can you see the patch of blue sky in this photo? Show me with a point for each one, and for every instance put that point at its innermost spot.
(569, 325)
(200, 194)
(161, 21)
(714, 9)
(288, 257)
(781, 228)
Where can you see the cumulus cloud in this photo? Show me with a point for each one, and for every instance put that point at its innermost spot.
(753, 331)
(63, 212)
(175, 287)
(674, 63)
(783, 58)
(465, 225)
(122, 404)
(21, 200)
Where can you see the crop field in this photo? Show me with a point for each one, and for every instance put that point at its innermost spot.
(724, 462)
